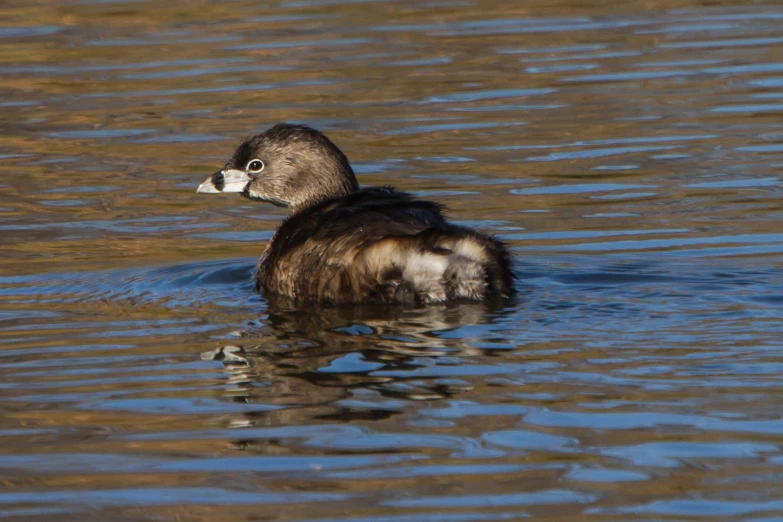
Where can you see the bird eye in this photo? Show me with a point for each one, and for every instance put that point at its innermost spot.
(255, 166)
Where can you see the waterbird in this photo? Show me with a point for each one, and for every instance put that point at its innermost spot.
(344, 244)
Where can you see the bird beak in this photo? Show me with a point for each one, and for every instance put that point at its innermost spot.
(228, 180)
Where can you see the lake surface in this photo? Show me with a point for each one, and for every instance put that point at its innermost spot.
(630, 153)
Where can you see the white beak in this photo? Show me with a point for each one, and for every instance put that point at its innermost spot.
(229, 180)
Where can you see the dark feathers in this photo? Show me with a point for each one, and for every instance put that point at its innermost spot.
(379, 244)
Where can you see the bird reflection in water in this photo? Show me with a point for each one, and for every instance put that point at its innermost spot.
(352, 363)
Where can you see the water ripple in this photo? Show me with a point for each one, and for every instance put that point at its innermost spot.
(629, 155)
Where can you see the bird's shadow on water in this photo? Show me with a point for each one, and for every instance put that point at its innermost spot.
(353, 362)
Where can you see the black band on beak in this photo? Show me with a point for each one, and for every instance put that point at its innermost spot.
(219, 180)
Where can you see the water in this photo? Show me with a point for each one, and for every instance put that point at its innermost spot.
(630, 154)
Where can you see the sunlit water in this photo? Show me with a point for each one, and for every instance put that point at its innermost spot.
(630, 153)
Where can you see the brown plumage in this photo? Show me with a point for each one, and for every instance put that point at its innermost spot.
(349, 245)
